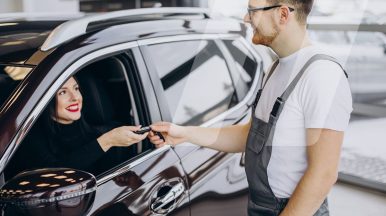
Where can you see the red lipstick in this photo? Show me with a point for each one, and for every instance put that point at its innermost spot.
(73, 108)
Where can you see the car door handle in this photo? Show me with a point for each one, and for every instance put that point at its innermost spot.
(175, 192)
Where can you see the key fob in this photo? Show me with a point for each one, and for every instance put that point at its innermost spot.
(142, 130)
(160, 135)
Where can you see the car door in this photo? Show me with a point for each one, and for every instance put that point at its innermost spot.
(198, 88)
(153, 182)
(142, 186)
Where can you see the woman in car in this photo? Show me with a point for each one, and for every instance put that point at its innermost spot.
(62, 138)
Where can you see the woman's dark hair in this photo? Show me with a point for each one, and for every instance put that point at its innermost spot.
(51, 127)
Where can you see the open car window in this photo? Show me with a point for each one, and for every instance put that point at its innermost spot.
(106, 105)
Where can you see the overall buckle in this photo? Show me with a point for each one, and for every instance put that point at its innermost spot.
(275, 110)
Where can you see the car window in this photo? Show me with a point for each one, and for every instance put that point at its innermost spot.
(10, 77)
(244, 60)
(104, 104)
(196, 80)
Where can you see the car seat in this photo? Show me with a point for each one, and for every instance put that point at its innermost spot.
(105, 94)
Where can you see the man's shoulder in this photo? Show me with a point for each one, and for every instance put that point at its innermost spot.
(325, 66)
(324, 74)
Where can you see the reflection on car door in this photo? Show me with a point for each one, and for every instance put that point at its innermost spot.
(137, 187)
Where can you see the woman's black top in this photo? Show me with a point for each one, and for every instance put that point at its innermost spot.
(71, 147)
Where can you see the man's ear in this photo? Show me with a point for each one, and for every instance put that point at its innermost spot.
(284, 15)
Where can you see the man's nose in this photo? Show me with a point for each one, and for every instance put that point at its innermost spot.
(247, 18)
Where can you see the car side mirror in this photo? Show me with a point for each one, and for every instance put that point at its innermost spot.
(54, 191)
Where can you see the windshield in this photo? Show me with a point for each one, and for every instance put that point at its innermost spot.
(10, 77)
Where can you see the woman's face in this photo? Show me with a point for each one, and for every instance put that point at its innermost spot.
(68, 102)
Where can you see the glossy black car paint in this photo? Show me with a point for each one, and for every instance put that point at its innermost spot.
(30, 192)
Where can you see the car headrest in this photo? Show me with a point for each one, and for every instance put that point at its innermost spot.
(93, 81)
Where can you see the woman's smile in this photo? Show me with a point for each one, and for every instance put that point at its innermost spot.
(73, 108)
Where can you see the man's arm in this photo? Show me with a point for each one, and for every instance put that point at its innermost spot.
(228, 139)
(323, 151)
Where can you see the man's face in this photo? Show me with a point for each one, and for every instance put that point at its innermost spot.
(265, 30)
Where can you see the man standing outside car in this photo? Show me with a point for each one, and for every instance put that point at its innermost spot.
(294, 137)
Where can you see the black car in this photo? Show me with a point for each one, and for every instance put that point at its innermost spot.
(135, 67)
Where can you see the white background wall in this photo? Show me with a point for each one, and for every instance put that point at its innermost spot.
(235, 8)
(11, 6)
(32, 6)
(51, 6)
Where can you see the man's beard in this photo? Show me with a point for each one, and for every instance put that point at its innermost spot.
(260, 39)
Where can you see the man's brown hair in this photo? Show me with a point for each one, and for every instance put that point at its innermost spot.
(302, 7)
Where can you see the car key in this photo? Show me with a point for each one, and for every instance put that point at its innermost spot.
(142, 130)
(160, 135)
(147, 129)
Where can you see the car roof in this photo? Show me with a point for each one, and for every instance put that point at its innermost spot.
(21, 37)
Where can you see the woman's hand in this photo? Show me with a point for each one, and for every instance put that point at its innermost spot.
(172, 133)
(120, 137)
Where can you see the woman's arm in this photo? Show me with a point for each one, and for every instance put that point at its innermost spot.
(85, 155)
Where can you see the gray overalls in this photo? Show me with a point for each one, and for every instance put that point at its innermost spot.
(262, 201)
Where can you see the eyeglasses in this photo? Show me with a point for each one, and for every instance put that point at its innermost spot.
(251, 10)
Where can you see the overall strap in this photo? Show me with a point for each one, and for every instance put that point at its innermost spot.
(314, 58)
(274, 65)
(278, 106)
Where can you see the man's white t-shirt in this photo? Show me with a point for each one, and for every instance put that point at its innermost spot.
(321, 99)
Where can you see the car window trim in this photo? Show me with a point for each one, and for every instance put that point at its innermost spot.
(176, 38)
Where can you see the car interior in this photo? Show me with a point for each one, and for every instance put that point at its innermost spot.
(105, 93)
(6, 86)
(106, 105)
(10, 77)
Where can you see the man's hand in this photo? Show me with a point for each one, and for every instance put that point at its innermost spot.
(120, 137)
(230, 139)
(172, 133)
